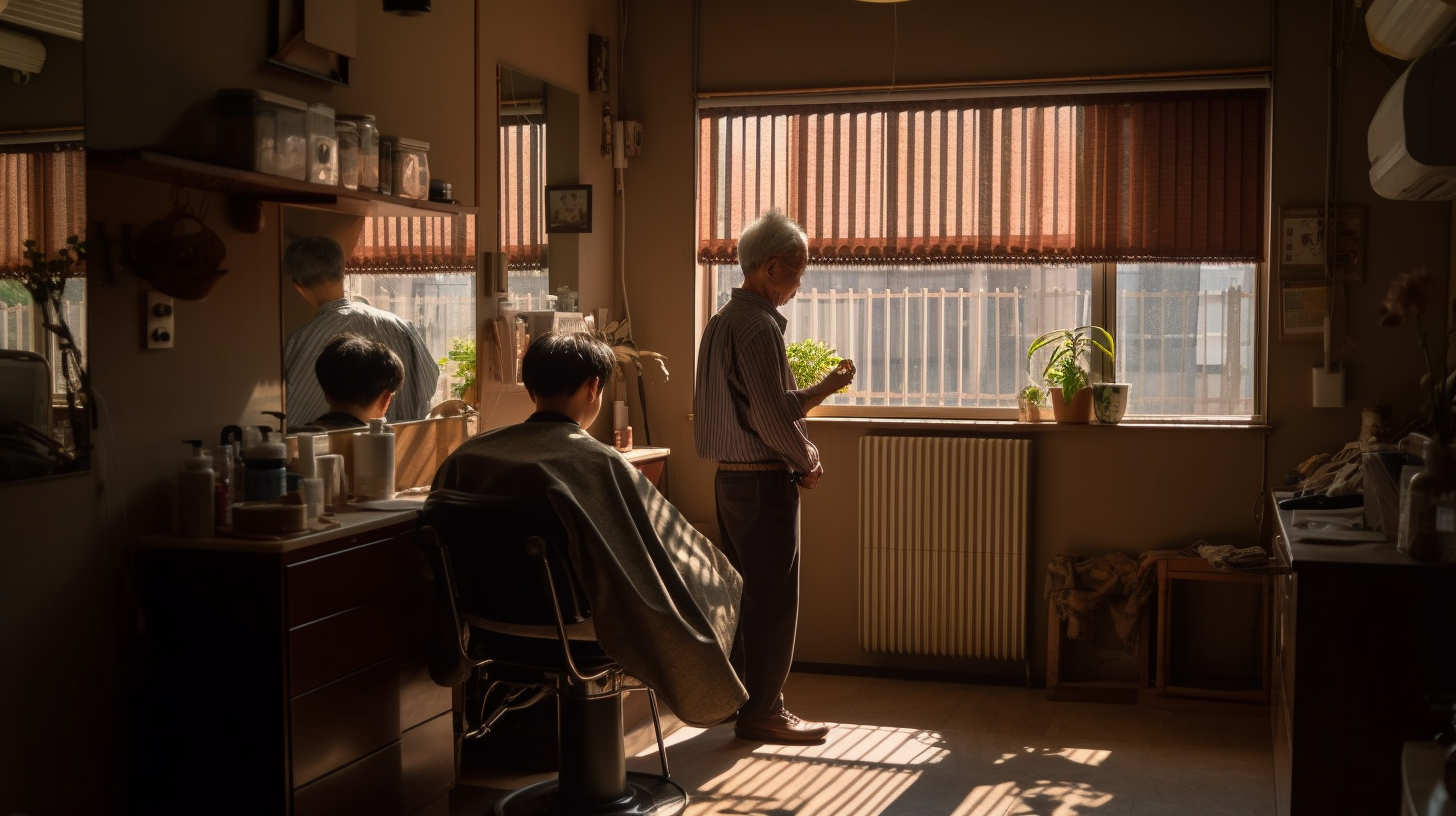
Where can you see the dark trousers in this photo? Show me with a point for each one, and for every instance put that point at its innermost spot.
(758, 516)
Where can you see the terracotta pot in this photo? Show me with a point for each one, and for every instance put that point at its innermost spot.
(1079, 412)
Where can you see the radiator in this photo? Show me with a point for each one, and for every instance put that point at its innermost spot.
(943, 546)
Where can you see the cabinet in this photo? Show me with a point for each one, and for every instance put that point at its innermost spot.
(1362, 634)
(291, 678)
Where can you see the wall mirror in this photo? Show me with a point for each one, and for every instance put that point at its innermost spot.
(42, 197)
(539, 132)
(420, 267)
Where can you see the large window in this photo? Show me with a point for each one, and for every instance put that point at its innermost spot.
(421, 268)
(42, 199)
(946, 234)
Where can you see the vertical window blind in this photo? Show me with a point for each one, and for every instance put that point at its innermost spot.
(44, 187)
(1069, 179)
(390, 243)
(523, 183)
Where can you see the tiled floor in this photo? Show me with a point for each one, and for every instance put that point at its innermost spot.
(946, 749)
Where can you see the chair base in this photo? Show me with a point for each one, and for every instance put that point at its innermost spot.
(647, 795)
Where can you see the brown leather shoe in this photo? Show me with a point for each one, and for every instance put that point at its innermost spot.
(782, 727)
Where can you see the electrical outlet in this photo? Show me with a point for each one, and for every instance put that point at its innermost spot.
(160, 321)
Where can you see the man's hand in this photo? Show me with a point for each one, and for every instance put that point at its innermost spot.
(841, 376)
(810, 480)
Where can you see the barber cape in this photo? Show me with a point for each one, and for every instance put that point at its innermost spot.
(664, 600)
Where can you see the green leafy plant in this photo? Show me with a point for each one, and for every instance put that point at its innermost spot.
(1033, 395)
(618, 335)
(810, 360)
(1069, 353)
(462, 354)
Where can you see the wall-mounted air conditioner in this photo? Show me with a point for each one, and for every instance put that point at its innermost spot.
(21, 52)
(1408, 28)
(1412, 138)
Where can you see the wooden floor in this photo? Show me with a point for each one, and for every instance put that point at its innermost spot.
(907, 747)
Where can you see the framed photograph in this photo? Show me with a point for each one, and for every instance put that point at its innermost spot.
(1301, 243)
(568, 208)
(1303, 307)
(1301, 238)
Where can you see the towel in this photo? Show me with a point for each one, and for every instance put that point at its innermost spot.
(664, 599)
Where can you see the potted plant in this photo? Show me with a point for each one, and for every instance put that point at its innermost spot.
(1066, 372)
(1029, 403)
(462, 354)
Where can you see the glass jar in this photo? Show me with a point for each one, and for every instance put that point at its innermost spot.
(1428, 505)
(348, 134)
(368, 150)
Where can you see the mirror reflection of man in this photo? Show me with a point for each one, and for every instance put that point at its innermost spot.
(316, 265)
(359, 378)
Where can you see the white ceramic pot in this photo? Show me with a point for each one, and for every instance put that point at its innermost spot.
(1109, 401)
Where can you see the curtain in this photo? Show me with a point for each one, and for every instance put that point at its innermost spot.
(43, 189)
(523, 182)
(406, 243)
(1072, 179)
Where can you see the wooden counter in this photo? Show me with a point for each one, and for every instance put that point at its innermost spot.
(290, 677)
(1362, 634)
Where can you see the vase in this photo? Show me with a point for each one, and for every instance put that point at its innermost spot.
(1077, 412)
(1027, 411)
(1109, 401)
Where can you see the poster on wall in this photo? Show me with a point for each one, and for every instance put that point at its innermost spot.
(1303, 307)
(1302, 241)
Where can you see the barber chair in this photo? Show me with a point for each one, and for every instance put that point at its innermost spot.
(513, 621)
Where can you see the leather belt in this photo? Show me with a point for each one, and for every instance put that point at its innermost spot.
(752, 466)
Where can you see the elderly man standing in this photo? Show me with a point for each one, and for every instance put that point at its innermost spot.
(316, 265)
(749, 418)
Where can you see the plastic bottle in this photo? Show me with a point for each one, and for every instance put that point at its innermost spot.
(374, 461)
(222, 465)
(266, 476)
(195, 494)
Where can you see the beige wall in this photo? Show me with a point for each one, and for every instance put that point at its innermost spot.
(1097, 489)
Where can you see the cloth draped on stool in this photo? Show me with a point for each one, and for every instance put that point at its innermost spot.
(1078, 586)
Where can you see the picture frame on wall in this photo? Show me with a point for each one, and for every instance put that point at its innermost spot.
(1301, 241)
(569, 208)
(1304, 304)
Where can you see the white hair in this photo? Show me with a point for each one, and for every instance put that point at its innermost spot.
(773, 234)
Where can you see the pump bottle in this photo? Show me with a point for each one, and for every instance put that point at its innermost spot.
(374, 462)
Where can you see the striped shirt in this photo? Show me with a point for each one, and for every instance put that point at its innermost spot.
(305, 399)
(745, 406)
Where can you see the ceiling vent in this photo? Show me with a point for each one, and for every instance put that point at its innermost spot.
(59, 17)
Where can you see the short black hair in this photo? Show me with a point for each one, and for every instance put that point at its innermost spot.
(558, 363)
(355, 370)
(314, 260)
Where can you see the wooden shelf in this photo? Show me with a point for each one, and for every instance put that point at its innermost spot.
(167, 169)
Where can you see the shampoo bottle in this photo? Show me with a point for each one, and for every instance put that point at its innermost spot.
(374, 462)
(195, 494)
(222, 463)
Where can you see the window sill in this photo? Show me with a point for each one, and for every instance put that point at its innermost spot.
(1011, 426)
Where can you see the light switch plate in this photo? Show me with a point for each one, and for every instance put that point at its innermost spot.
(160, 321)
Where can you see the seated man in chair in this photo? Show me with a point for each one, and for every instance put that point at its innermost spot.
(664, 599)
